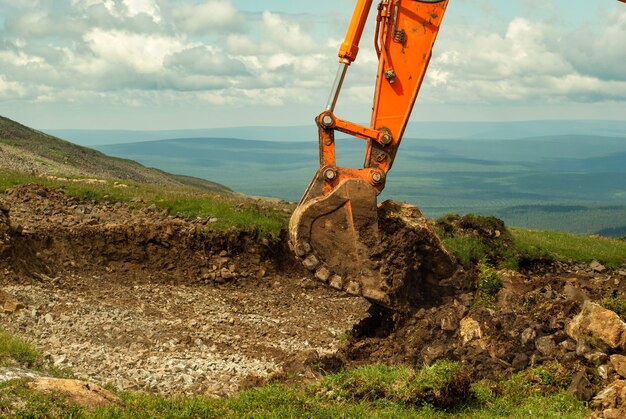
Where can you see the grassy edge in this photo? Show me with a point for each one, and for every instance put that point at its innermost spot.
(370, 391)
(226, 210)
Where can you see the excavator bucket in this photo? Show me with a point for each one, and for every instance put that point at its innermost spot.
(387, 253)
(336, 236)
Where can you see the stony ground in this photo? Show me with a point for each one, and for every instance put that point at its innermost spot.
(119, 311)
(124, 294)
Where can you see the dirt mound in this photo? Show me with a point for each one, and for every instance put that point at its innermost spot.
(412, 257)
(526, 325)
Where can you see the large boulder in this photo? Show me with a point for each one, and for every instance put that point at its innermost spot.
(601, 328)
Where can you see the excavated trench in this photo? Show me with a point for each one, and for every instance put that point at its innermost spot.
(125, 294)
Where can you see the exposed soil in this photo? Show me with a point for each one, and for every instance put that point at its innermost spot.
(124, 294)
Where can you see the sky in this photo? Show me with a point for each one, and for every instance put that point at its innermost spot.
(182, 64)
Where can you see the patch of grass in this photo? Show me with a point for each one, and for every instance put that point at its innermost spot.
(474, 238)
(489, 283)
(230, 211)
(566, 247)
(466, 250)
(442, 384)
(616, 303)
(13, 349)
(536, 392)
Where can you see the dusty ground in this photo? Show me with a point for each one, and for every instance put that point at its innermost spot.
(124, 294)
(145, 301)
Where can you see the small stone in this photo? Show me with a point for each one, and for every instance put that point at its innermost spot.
(449, 322)
(60, 360)
(546, 345)
(353, 288)
(311, 262)
(336, 282)
(619, 363)
(470, 330)
(605, 370)
(528, 335)
(597, 357)
(48, 318)
(322, 274)
(11, 306)
(574, 293)
(597, 266)
(581, 387)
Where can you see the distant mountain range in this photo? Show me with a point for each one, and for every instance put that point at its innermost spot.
(24, 149)
(429, 130)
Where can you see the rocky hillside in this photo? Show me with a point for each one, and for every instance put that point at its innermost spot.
(24, 149)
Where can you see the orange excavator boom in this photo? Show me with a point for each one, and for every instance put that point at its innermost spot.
(335, 224)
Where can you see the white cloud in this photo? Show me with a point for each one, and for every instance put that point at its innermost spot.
(143, 53)
(149, 7)
(151, 51)
(530, 62)
(209, 17)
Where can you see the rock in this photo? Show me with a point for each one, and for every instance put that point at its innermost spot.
(546, 345)
(581, 387)
(611, 400)
(11, 306)
(528, 335)
(599, 326)
(449, 322)
(605, 370)
(597, 266)
(469, 329)
(48, 318)
(82, 393)
(619, 363)
(574, 293)
(520, 362)
(568, 344)
(311, 262)
(322, 274)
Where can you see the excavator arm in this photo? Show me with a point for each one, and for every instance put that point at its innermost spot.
(335, 226)
(334, 230)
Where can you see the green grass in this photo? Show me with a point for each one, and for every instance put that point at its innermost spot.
(615, 302)
(15, 350)
(568, 247)
(471, 240)
(442, 384)
(231, 211)
(376, 391)
(489, 283)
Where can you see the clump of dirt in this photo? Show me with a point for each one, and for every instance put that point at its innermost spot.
(412, 258)
(526, 326)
